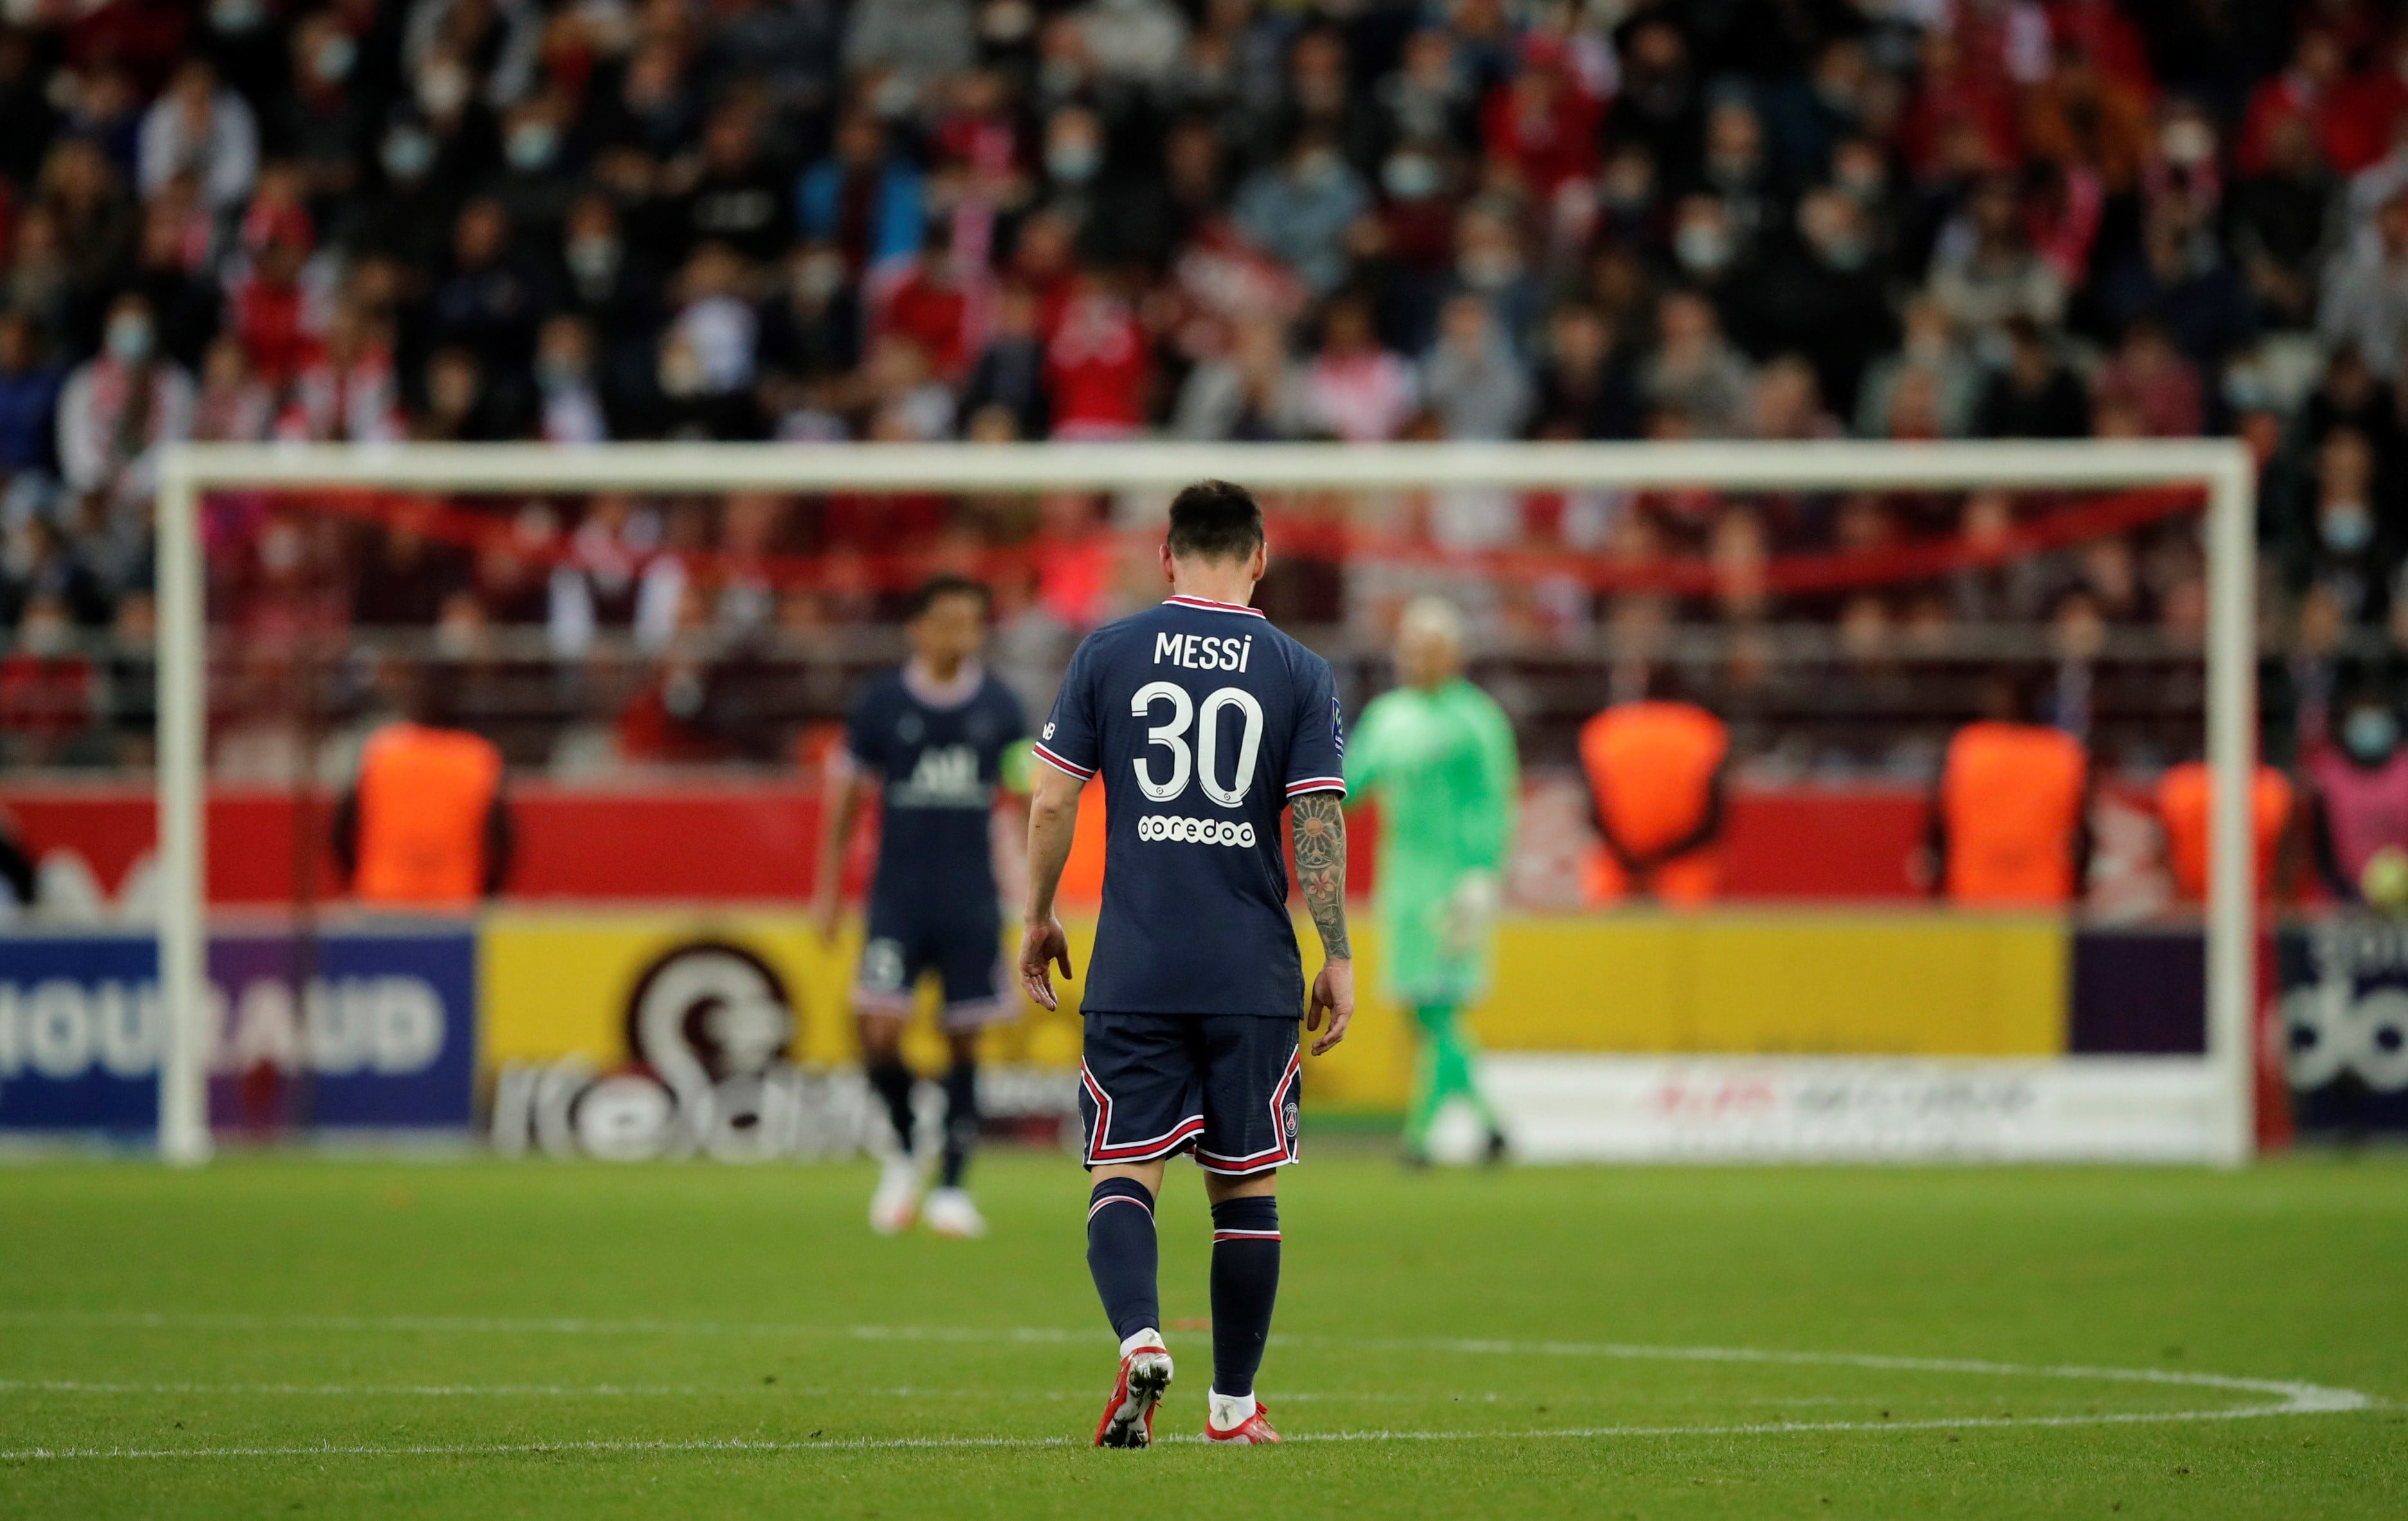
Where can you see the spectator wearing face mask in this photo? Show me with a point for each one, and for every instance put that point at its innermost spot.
(119, 407)
(537, 181)
(505, 34)
(1705, 246)
(2344, 547)
(2357, 797)
(1735, 170)
(1491, 262)
(322, 120)
(811, 324)
(418, 188)
(598, 274)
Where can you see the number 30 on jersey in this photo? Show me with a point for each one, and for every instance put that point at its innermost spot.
(1203, 761)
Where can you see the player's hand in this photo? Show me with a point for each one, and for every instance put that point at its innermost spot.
(1333, 993)
(1042, 946)
(825, 913)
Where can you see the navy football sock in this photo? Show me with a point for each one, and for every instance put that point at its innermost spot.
(1122, 1255)
(961, 1120)
(892, 1082)
(1245, 1284)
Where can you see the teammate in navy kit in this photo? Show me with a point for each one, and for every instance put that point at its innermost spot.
(936, 738)
(1204, 724)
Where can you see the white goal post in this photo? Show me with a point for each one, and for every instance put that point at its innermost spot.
(2222, 467)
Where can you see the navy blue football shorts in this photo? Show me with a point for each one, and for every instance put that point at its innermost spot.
(1223, 1085)
(963, 948)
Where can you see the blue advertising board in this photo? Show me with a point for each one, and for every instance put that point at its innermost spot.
(347, 1029)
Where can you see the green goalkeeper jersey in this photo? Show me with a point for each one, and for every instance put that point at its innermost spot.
(1441, 765)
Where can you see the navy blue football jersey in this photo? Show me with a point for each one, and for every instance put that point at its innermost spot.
(938, 765)
(1203, 720)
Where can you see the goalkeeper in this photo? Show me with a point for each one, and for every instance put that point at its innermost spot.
(1438, 754)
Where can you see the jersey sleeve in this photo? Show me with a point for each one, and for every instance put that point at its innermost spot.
(1069, 741)
(1316, 762)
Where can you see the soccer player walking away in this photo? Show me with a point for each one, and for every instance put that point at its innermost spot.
(936, 739)
(1205, 722)
(1437, 755)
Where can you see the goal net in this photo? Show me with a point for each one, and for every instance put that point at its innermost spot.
(661, 641)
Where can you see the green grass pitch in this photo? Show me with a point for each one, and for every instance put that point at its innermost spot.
(289, 1337)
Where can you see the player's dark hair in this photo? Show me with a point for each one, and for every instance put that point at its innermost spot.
(936, 588)
(1215, 520)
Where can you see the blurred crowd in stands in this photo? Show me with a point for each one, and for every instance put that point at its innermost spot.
(1213, 219)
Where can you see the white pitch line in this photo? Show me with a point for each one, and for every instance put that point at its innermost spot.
(573, 1391)
(1572, 1433)
(2306, 1396)
(2293, 1398)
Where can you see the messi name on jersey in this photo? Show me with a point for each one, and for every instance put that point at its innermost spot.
(1201, 652)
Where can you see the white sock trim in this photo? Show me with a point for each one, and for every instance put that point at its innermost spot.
(1231, 1411)
(1143, 1338)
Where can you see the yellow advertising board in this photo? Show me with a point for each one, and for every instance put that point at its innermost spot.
(562, 983)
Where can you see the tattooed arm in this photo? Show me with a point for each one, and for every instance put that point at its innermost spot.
(1317, 821)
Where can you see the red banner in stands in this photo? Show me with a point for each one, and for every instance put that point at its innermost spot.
(2082, 522)
(738, 841)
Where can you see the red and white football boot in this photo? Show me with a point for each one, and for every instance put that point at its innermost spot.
(1253, 1431)
(1128, 1415)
